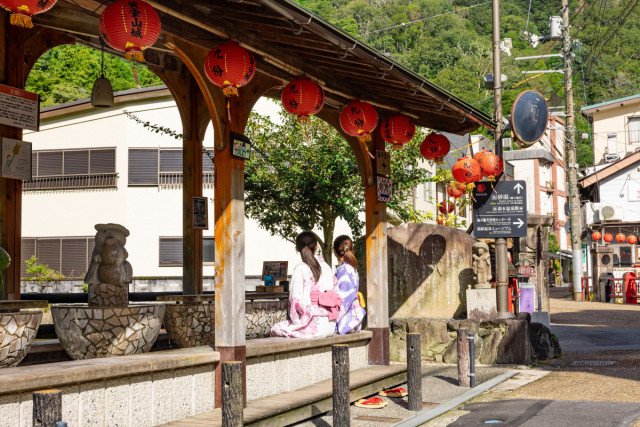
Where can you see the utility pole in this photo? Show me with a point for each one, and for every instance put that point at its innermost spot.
(502, 297)
(572, 164)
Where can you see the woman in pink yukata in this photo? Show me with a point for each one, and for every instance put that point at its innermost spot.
(351, 312)
(313, 304)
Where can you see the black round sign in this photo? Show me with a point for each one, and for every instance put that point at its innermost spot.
(529, 117)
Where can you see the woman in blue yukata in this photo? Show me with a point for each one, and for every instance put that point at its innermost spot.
(314, 306)
(351, 312)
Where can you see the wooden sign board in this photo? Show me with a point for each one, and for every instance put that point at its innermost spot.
(19, 108)
(200, 213)
(277, 269)
(16, 159)
(240, 146)
(384, 189)
(383, 163)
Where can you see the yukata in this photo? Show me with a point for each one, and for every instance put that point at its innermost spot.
(351, 312)
(308, 318)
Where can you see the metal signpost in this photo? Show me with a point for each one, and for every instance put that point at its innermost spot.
(500, 209)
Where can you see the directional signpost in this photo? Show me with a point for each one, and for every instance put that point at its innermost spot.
(500, 209)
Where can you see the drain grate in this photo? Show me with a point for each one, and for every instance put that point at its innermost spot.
(378, 419)
(593, 363)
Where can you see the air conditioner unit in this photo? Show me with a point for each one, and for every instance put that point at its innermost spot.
(591, 213)
(608, 213)
(611, 158)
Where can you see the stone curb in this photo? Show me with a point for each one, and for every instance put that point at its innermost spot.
(432, 413)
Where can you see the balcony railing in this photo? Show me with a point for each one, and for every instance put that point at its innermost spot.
(72, 182)
(174, 180)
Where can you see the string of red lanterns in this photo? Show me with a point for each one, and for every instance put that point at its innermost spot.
(397, 130)
(359, 119)
(303, 97)
(456, 189)
(21, 11)
(466, 170)
(434, 147)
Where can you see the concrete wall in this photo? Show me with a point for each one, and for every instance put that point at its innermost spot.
(622, 192)
(430, 267)
(614, 119)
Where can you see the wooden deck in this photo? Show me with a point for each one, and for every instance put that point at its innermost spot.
(293, 406)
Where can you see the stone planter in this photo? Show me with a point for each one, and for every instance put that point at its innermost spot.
(17, 331)
(190, 325)
(90, 332)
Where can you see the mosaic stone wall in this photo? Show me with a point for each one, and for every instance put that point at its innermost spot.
(103, 295)
(17, 331)
(190, 325)
(262, 315)
(90, 332)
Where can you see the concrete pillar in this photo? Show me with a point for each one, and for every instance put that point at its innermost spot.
(602, 260)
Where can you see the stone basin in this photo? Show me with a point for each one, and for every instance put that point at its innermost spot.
(17, 331)
(90, 332)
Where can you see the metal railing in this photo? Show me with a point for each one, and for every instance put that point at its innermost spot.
(174, 180)
(70, 182)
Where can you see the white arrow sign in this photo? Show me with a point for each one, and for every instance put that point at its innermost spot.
(519, 223)
(518, 187)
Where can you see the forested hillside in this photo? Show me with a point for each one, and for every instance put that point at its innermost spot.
(447, 41)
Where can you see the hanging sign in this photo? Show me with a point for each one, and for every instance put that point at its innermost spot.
(240, 146)
(525, 270)
(383, 162)
(16, 159)
(19, 108)
(200, 214)
(500, 209)
(384, 189)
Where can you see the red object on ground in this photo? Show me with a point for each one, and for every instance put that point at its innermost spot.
(22, 10)
(466, 170)
(630, 288)
(514, 293)
(632, 240)
(608, 237)
(130, 27)
(359, 119)
(303, 97)
(397, 130)
(596, 235)
(620, 237)
(456, 189)
(434, 147)
(490, 165)
(230, 66)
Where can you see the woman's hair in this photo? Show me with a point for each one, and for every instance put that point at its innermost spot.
(343, 245)
(306, 244)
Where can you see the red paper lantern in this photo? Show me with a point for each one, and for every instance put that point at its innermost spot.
(303, 98)
(22, 10)
(466, 170)
(632, 240)
(359, 119)
(446, 207)
(620, 237)
(230, 66)
(596, 236)
(434, 147)
(456, 189)
(397, 130)
(490, 165)
(608, 237)
(440, 219)
(130, 27)
(481, 154)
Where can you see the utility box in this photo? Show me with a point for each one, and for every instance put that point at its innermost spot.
(555, 27)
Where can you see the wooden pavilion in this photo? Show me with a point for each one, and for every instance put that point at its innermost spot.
(287, 41)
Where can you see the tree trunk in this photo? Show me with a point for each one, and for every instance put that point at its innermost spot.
(328, 227)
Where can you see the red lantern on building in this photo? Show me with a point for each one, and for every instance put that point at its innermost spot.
(446, 207)
(620, 237)
(490, 165)
(359, 119)
(632, 240)
(130, 27)
(303, 97)
(466, 170)
(481, 154)
(434, 147)
(596, 235)
(456, 189)
(230, 66)
(397, 130)
(441, 219)
(608, 237)
(22, 10)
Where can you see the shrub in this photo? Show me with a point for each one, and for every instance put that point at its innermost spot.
(42, 272)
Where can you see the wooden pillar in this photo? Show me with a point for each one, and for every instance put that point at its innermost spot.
(230, 241)
(11, 74)
(377, 271)
(192, 187)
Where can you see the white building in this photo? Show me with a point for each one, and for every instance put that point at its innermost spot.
(97, 166)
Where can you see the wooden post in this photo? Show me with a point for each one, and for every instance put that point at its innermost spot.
(463, 358)
(414, 372)
(47, 408)
(377, 270)
(12, 74)
(340, 378)
(232, 394)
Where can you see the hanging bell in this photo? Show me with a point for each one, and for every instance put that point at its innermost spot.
(102, 93)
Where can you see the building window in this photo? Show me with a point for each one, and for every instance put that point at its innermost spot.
(143, 167)
(634, 130)
(69, 255)
(153, 167)
(72, 169)
(171, 251)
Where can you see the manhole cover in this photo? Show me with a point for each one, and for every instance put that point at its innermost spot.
(378, 419)
(593, 363)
